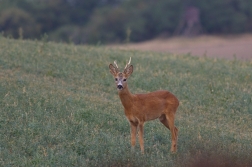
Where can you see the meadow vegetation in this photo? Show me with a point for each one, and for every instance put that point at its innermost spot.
(59, 107)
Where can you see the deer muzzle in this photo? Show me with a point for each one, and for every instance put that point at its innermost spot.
(119, 85)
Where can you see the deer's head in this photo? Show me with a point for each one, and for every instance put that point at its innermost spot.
(121, 77)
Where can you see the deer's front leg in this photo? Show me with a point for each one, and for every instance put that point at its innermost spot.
(133, 131)
(141, 138)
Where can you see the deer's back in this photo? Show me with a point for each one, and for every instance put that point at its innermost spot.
(161, 96)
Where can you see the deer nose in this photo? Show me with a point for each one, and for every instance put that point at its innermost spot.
(119, 86)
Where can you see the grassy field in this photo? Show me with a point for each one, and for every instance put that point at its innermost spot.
(59, 107)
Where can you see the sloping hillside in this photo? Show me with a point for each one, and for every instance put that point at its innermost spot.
(59, 107)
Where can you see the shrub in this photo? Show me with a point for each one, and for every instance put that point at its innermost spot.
(16, 22)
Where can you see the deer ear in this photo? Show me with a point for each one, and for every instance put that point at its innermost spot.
(113, 70)
(128, 70)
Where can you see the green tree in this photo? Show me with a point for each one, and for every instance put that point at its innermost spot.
(91, 21)
(17, 23)
(225, 16)
(144, 18)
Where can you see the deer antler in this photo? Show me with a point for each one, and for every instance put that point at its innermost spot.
(116, 64)
(127, 65)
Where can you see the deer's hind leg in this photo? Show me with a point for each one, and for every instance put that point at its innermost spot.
(168, 121)
(164, 121)
(170, 117)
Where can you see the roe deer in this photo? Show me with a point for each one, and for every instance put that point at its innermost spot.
(140, 108)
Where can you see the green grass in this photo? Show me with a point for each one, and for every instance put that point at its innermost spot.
(59, 107)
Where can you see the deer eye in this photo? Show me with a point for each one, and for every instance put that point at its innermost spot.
(116, 79)
(124, 79)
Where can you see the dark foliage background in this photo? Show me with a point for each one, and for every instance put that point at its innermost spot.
(110, 21)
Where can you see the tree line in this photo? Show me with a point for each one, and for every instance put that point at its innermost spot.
(110, 21)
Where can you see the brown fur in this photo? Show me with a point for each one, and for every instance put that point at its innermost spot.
(140, 108)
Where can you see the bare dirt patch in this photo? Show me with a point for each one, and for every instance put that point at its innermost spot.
(228, 47)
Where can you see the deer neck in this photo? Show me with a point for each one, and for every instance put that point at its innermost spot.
(126, 98)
